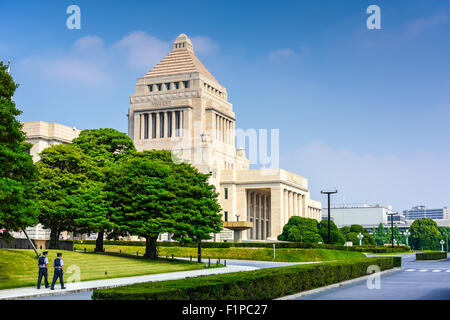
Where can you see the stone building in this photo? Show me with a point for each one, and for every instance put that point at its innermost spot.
(179, 106)
(44, 134)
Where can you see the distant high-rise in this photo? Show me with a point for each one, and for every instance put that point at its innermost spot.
(419, 212)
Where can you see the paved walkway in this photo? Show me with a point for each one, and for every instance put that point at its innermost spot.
(32, 292)
(86, 295)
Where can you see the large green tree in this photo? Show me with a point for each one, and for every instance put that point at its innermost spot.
(68, 189)
(106, 147)
(141, 199)
(18, 174)
(425, 234)
(153, 195)
(299, 229)
(335, 234)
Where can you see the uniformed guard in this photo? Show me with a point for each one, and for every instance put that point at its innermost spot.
(43, 270)
(58, 264)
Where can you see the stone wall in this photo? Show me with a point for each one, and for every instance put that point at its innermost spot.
(39, 244)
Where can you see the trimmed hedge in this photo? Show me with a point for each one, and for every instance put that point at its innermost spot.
(261, 284)
(291, 245)
(431, 255)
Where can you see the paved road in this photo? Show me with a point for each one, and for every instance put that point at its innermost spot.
(419, 280)
(86, 295)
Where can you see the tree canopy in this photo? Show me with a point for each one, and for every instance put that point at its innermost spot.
(351, 234)
(425, 234)
(18, 174)
(301, 229)
(153, 195)
(335, 234)
(68, 189)
(105, 147)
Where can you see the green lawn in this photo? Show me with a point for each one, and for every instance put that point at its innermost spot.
(260, 254)
(18, 268)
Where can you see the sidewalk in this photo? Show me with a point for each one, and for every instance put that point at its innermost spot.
(30, 292)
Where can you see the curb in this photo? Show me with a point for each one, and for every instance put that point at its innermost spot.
(335, 285)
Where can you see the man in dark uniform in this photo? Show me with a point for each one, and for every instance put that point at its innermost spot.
(58, 264)
(43, 269)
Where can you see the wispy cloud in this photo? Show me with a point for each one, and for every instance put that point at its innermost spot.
(204, 45)
(288, 53)
(281, 54)
(142, 50)
(418, 26)
(90, 61)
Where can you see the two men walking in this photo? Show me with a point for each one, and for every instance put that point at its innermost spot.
(58, 265)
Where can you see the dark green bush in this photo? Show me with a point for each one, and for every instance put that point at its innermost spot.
(251, 285)
(291, 245)
(431, 255)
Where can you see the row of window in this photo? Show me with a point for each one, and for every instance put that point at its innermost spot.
(162, 123)
(180, 45)
(213, 90)
(168, 86)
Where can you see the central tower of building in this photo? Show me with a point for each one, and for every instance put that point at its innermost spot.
(180, 106)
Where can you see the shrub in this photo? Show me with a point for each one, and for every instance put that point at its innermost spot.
(251, 285)
(292, 245)
(431, 255)
(300, 229)
(425, 234)
(335, 234)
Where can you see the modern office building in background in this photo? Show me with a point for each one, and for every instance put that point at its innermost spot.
(419, 212)
(362, 214)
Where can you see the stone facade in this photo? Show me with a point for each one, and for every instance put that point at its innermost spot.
(44, 134)
(179, 106)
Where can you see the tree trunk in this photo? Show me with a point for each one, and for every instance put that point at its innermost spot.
(99, 242)
(53, 239)
(199, 252)
(150, 247)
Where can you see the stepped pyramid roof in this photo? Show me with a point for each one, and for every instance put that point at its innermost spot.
(180, 60)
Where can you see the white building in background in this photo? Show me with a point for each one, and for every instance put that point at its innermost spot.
(42, 135)
(419, 212)
(362, 214)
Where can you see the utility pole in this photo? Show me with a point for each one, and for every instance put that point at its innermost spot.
(392, 226)
(328, 193)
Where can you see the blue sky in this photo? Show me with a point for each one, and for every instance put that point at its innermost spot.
(363, 111)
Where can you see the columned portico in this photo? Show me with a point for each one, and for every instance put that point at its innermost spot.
(258, 213)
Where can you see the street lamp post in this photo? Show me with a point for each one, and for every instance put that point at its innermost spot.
(329, 209)
(442, 245)
(447, 241)
(360, 237)
(392, 214)
(407, 234)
